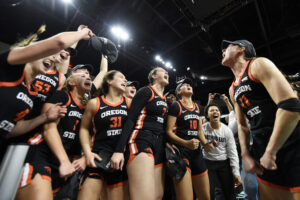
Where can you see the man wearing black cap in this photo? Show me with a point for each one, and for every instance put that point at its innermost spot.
(130, 90)
(262, 95)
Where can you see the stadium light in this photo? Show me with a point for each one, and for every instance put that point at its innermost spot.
(203, 77)
(67, 1)
(119, 32)
(157, 58)
(168, 65)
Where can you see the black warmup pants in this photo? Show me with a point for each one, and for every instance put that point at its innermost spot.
(221, 180)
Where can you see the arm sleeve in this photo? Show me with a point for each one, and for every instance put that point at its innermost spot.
(232, 152)
(137, 104)
(59, 96)
(174, 109)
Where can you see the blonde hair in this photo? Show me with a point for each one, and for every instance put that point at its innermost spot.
(151, 73)
(31, 38)
(69, 88)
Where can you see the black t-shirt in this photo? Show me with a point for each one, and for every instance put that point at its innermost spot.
(187, 122)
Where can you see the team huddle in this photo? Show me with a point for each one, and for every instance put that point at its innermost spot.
(115, 140)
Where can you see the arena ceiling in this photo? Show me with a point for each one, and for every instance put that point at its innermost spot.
(188, 33)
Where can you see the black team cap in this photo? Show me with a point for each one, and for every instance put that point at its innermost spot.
(81, 66)
(132, 83)
(249, 48)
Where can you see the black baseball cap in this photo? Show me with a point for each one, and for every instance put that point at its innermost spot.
(81, 66)
(249, 48)
(181, 82)
(132, 83)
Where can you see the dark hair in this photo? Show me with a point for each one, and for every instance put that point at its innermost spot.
(151, 73)
(207, 108)
(108, 76)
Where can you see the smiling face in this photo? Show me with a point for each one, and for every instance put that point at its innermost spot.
(118, 82)
(130, 91)
(213, 114)
(81, 79)
(231, 53)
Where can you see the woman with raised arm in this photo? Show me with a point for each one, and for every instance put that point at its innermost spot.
(19, 67)
(145, 131)
(185, 116)
(262, 96)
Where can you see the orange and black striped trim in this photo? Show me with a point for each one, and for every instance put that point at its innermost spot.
(96, 174)
(249, 73)
(52, 72)
(110, 104)
(132, 139)
(36, 139)
(180, 109)
(295, 189)
(26, 178)
(127, 103)
(291, 189)
(69, 99)
(152, 96)
(59, 79)
(33, 93)
(241, 75)
(190, 109)
(15, 83)
(56, 190)
(200, 175)
(76, 102)
(272, 184)
(117, 184)
(163, 97)
(141, 118)
(158, 165)
(133, 152)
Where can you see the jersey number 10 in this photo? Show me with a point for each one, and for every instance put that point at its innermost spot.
(193, 124)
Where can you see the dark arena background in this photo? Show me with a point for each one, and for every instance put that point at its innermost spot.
(185, 33)
(184, 37)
